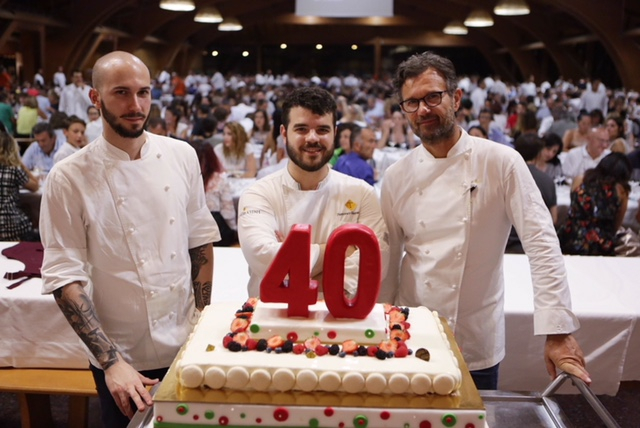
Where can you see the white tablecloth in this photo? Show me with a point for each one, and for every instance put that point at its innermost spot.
(605, 293)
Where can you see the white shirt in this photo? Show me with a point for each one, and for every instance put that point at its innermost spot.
(65, 151)
(59, 79)
(578, 160)
(232, 165)
(275, 203)
(75, 101)
(125, 227)
(452, 216)
(93, 130)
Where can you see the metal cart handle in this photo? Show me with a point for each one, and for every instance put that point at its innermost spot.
(586, 392)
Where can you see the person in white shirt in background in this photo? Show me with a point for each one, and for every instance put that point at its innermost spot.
(94, 126)
(580, 159)
(59, 80)
(449, 206)
(74, 99)
(75, 139)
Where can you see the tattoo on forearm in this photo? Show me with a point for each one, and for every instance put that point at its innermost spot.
(201, 290)
(81, 315)
(202, 293)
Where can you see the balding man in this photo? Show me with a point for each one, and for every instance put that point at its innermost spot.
(127, 215)
(355, 164)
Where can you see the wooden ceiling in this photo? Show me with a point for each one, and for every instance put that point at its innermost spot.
(572, 38)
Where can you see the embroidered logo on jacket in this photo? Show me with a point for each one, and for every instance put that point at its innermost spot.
(351, 206)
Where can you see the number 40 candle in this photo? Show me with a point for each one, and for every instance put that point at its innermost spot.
(298, 291)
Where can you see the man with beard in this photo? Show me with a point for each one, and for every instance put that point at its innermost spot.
(449, 206)
(307, 191)
(127, 214)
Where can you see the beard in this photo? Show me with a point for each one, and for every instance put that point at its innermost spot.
(112, 121)
(442, 133)
(296, 158)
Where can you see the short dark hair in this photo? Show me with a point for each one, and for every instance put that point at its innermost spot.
(41, 127)
(154, 122)
(74, 119)
(529, 146)
(613, 168)
(316, 99)
(418, 63)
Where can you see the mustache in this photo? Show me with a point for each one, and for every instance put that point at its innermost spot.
(313, 146)
(133, 116)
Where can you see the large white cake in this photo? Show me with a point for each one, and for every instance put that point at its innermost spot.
(215, 386)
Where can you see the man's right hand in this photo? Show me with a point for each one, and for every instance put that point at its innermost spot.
(125, 383)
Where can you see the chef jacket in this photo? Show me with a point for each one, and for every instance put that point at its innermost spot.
(125, 228)
(449, 220)
(275, 203)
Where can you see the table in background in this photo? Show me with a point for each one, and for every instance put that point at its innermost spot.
(606, 299)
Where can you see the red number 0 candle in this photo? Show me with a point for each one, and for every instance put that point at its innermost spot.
(368, 276)
(292, 259)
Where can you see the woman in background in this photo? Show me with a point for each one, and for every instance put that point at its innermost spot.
(236, 153)
(598, 205)
(218, 195)
(396, 132)
(342, 141)
(615, 128)
(14, 224)
(549, 162)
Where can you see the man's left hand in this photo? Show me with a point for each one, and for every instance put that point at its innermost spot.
(562, 351)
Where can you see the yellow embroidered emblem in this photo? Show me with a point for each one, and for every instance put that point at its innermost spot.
(351, 206)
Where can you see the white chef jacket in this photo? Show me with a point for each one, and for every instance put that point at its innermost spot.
(452, 216)
(275, 203)
(125, 227)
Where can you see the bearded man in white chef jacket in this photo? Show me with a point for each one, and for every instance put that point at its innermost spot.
(307, 191)
(449, 206)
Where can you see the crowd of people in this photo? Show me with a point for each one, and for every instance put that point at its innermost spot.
(577, 123)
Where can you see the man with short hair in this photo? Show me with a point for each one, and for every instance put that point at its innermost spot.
(74, 99)
(307, 191)
(39, 155)
(355, 164)
(127, 215)
(580, 159)
(449, 206)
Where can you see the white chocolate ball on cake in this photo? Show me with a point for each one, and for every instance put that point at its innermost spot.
(421, 384)
(329, 381)
(283, 380)
(444, 384)
(399, 383)
(375, 383)
(237, 378)
(192, 376)
(353, 382)
(307, 380)
(260, 380)
(215, 378)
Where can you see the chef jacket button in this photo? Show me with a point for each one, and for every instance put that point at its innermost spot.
(155, 322)
(459, 255)
(159, 155)
(131, 229)
(166, 188)
(465, 219)
(152, 293)
(420, 192)
(454, 286)
(172, 220)
(121, 199)
(466, 155)
(172, 286)
(427, 251)
(171, 314)
(142, 261)
(421, 160)
(421, 223)
(464, 184)
(173, 255)
(426, 282)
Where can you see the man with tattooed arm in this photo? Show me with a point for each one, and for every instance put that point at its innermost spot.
(127, 237)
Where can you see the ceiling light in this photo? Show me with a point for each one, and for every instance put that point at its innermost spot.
(177, 5)
(318, 46)
(208, 15)
(511, 8)
(479, 18)
(230, 24)
(455, 28)
(283, 45)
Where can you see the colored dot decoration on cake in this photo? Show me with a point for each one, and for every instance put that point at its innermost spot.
(209, 414)
(258, 420)
(196, 417)
(280, 414)
(470, 425)
(329, 411)
(182, 409)
(332, 334)
(211, 348)
(223, 421)
(425, 424)
(292, 336)
(314, 423)
(449, 420)
(159, 419)
(360, 421)
(385, 415)
(369, 333)
(254, 328)
(242, 416)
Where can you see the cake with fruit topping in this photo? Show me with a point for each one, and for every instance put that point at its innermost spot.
(254, 366)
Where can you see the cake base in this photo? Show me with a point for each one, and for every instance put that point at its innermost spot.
(178, 407)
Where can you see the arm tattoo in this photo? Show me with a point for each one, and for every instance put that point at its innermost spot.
(81, 314)
(201, 289)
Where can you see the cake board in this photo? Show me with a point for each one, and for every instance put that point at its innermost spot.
(467, 398)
